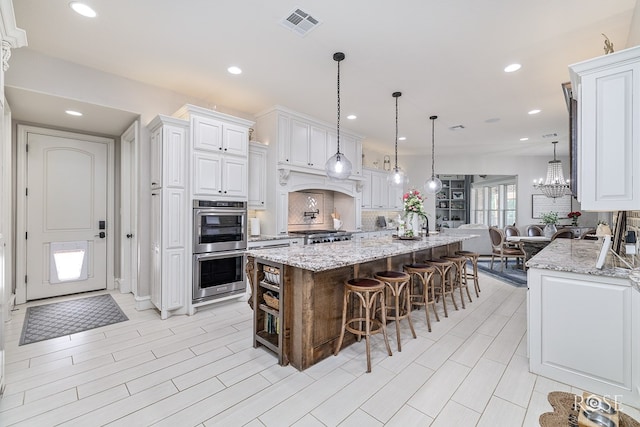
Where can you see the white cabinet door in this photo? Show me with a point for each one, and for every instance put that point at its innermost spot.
(207, 174)
(173, 274)
(608, 95)
(318, 148)
(379, 190)
(395, 197)
(353, 150)
(234, 177)
(156, 158)
(257, 185)
(299, 155)
(207, 134)
(366, 189)
(284, 138)
(174, 153)
(156, 248)
(173, 231)
(235, 139)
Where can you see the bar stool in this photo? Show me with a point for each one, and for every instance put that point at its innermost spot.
(365, 294)
(443, 268)
(473, 257)
(460, 281)
(427, 296)
(397, 284)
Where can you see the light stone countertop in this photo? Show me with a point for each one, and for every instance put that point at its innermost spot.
(327, 256)
(576, 256)
(266, 237)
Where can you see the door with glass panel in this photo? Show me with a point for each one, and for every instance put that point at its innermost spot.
(67, 232)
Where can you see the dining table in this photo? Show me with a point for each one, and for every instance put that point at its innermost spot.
(531, 245)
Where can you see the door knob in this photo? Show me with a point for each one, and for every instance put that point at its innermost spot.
(129, 236)
(101, 235)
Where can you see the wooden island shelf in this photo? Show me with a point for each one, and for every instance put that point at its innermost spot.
(311, 284)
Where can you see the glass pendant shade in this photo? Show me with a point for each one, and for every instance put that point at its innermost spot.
(433, 185)
(397, 177)
(338, 166)
(554, 185)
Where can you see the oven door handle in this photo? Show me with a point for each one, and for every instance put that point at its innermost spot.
(218, 255)
(205, 211)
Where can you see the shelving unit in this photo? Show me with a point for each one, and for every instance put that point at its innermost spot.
(452, 204)
(268, 320)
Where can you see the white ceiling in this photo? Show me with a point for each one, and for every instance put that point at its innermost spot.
(446, 57)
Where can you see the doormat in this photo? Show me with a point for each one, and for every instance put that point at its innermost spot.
(54, 320)
(512, 274)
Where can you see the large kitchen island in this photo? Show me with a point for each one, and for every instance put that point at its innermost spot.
(306, 282)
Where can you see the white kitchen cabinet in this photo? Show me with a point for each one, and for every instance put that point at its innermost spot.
(395, 197)
(607, 89)
(308, 146)
(219, 145)
(170, 216)
(216, 135)
(584, 330)
(350, 147)
(257, 183)
(168, 153)
(219, 175)
(379, 190)
(366, 188)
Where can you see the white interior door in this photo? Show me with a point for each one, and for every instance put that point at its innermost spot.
(66, 214)
(128, 210)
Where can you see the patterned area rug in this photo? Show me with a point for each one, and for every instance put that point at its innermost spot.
(54, 320)
(512, 274)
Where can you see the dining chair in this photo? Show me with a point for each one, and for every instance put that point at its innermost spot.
(511, 230)
(501, 249)
(565, 233)
(534, 230)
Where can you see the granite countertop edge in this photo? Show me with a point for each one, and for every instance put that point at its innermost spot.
(576, 256)
(328, 256)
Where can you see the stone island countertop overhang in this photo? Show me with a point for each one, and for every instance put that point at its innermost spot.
(327, 256)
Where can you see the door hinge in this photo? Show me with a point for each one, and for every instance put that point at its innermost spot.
(25, 278)
(26, 191)
(26, 147)
(25, 235)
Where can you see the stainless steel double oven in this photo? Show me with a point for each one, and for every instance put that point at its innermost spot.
(219, 243)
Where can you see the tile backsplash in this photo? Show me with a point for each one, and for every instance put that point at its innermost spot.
(310, 210)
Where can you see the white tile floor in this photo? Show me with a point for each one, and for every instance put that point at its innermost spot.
(203, 371)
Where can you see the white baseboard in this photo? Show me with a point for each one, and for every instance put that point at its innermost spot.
(143, 303)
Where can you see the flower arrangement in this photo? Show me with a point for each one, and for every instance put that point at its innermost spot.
(549, 218)
(574, 217)
(413, 205)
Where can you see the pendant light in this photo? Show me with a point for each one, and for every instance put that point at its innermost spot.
(397, 176)
(338, 166)
(554, 185)
(433, 184)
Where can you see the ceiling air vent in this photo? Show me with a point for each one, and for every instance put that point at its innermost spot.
(300, 22)
(550, 135)
(456, 127)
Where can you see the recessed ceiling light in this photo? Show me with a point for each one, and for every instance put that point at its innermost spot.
(524, 139)
(534, 111)
(352, 117)
(402, 138)
(83, 9)
(73, 113)
(234, 70)
(512, 67)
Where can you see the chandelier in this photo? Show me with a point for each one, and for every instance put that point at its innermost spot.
(554, 185)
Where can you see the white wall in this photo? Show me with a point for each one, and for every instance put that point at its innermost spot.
(34, 71)
(526, 168)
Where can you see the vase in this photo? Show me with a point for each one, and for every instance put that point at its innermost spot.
(574, 222)
(549, 230)
(415, 225)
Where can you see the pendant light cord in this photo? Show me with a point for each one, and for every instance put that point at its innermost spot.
(433, 145)
(396, 169)
(338, 121)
